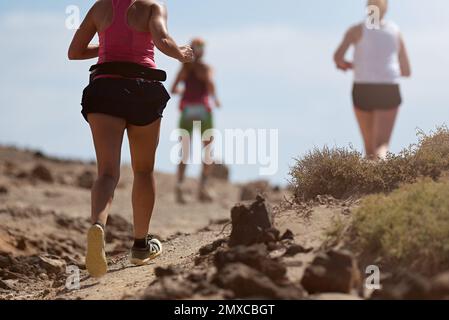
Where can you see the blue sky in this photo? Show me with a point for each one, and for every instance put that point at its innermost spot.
(273, 68)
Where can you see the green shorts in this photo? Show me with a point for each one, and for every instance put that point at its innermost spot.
(192, 113)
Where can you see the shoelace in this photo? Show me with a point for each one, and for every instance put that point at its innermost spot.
(154, 247)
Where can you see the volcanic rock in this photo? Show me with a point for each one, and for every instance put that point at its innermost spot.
(333, 271)
(86, 180)
(250, 221)
(42, 173)
(246, 282)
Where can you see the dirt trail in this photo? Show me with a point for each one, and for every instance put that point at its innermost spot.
(44, 218)
(180, 252)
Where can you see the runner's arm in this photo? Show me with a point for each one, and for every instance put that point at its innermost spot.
(80, 48)
(351, 37)
(211, 86)
(181, 77)
(163, 41)
(404, 60)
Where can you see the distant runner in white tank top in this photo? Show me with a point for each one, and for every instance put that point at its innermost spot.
(380, 59)
(376, 55)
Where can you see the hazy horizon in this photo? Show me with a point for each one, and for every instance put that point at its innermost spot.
(272, 72)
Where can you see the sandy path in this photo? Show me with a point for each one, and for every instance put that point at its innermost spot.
(183, 227)
(125, 281)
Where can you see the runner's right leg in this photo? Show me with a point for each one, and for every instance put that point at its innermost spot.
(384, 121)
(203, 194)
(186, 142)
(143, 142)
(107, 134)
(365, 120)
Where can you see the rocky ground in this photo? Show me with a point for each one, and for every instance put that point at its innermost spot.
(240, 246)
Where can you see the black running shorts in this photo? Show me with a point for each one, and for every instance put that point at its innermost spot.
(139, 102)
(370, 97)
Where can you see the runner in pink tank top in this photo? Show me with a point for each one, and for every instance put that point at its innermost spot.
(119, 42)
(127, 96)
(199, 86)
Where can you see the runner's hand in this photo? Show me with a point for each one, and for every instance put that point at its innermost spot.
(345, 66)
(217, 103)
(187, 54)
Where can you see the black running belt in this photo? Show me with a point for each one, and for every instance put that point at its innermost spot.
(127, 70)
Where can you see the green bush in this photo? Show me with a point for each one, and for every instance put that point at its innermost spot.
(408, 228)
(343, 172)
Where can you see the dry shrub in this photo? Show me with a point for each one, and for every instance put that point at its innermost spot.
(343, 172)
(408, 228)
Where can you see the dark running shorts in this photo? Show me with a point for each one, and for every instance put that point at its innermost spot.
(139, 102)
(371, 97)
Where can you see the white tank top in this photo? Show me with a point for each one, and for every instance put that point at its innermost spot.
(376, 55)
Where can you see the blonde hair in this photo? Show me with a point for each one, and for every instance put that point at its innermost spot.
(381, 4)
(198, 42)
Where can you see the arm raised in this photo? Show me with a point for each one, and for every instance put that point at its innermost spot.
(182, 75)
(80, 48)
(352, 36)
(163, 41)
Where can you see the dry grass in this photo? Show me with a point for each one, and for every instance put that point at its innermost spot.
(408, 228)
(343, 172)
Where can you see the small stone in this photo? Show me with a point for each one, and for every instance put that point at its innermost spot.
(409, 286)
(197, 276)
(3, 190)
(21, 244)
(333, 271)
(42, 173)
(440, 286)
(246, 282)
(5, 261)
(5, 286)
(43, 276)
(22, 175)
(250, 191)
(86, 180)
(295, 249)
(52, 265)
(219, 172)
(161, 272)
(288, 235)
(209, 248)
(169, 288)
(255, 256)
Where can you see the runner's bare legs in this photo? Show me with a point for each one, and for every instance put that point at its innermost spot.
(107, 134)
(384, 121)
(365, 120)
(143, 142)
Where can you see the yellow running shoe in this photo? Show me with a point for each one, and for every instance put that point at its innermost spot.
(96, 262)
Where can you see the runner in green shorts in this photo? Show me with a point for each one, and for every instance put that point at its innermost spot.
(199, 86)
(193, 113)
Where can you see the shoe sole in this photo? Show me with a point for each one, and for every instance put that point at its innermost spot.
(140, 262)
(96, 263)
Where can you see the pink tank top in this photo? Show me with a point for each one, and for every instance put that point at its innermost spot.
(120, 43)
(195, 92)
